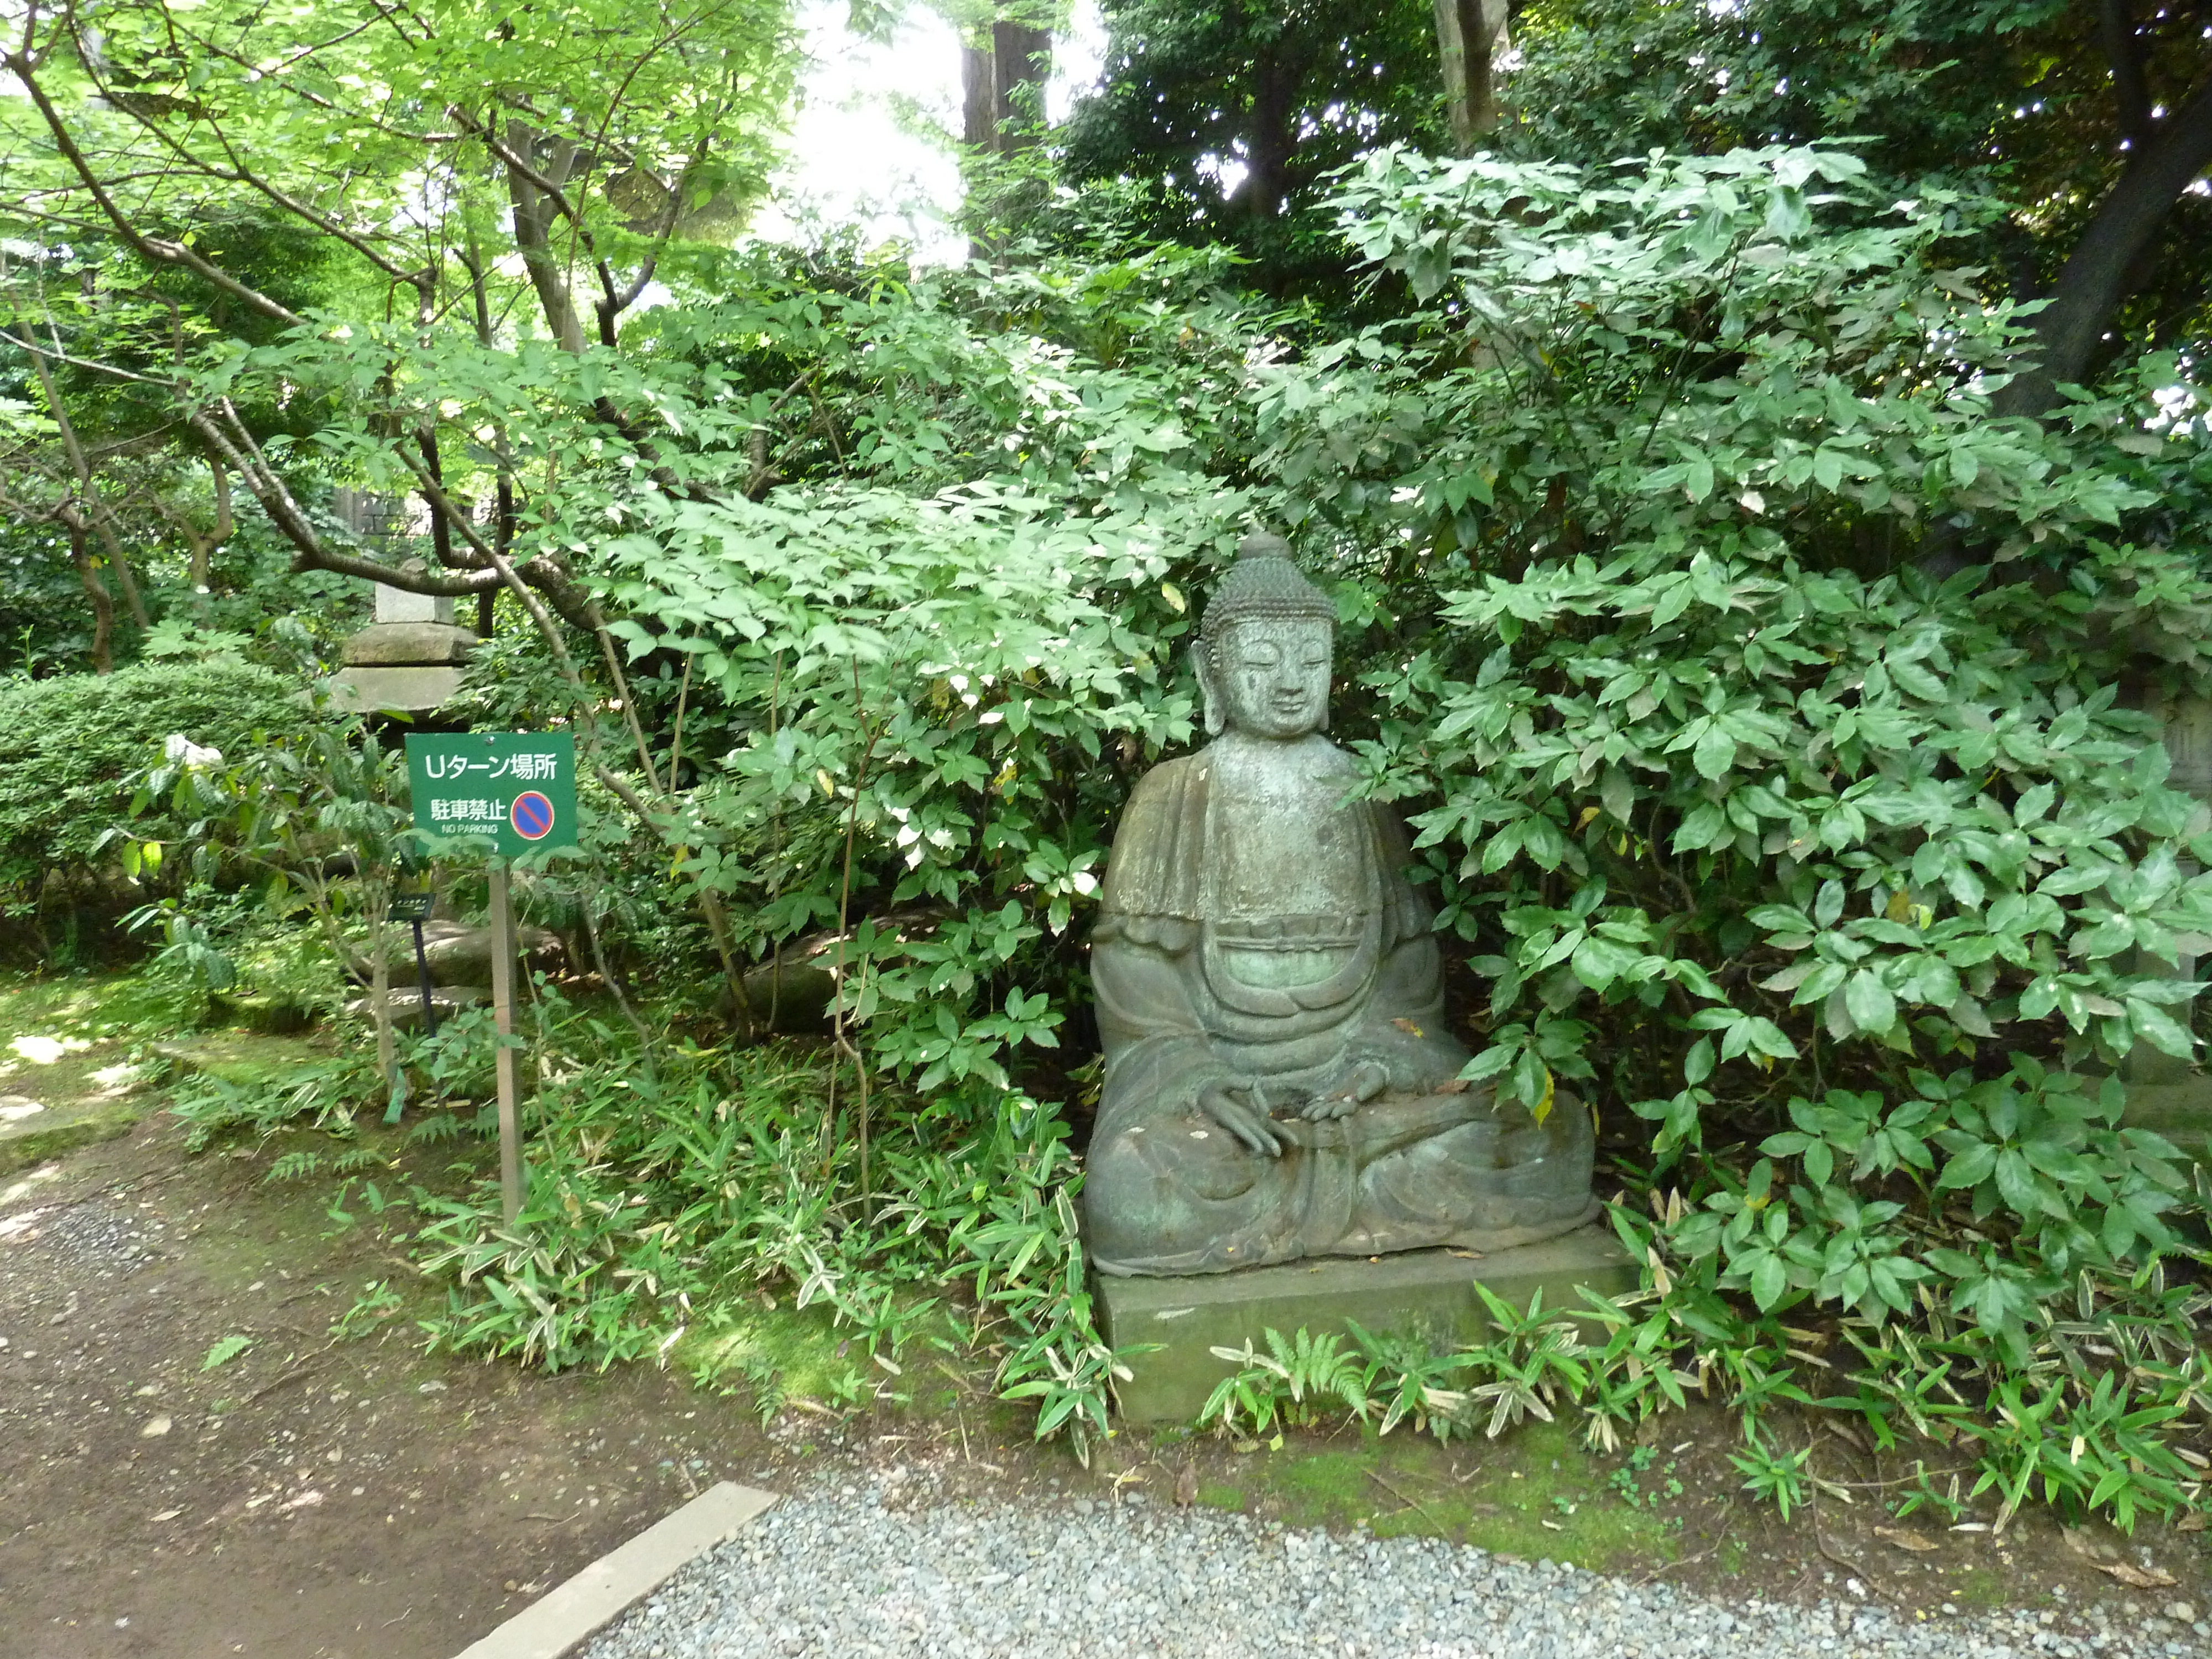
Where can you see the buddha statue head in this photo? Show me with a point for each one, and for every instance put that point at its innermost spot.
(1265, 648)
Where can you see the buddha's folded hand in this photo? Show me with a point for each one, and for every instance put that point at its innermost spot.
(1359, 1082)
(1245, 1118)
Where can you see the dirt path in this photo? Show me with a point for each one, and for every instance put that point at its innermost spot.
(309, 1498)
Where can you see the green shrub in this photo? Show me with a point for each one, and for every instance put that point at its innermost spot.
(668, 1192)
(68, 744)
(1855, 882)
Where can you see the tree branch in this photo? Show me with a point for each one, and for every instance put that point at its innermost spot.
(2124, 56)
(102, 520)
(79, 362)
(158, 249)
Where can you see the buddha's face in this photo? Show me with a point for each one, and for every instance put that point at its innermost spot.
(1272, 677)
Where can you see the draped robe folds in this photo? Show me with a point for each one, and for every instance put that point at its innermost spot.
(1258, 932)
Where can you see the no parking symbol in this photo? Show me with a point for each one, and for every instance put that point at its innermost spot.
(532, 815)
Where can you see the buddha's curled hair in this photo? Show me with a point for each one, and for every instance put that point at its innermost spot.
(1264, 584)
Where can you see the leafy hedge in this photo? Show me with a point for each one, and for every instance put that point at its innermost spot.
(67, 744)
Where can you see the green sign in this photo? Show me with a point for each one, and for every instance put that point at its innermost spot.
(518, 789)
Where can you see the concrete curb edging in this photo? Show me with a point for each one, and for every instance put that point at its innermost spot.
(559, 1622)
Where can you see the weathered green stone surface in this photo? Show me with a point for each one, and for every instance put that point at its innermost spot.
(2166, 1095)
(2180, 1109)
(407, 644)
(63, 1128)
(407, 689)
(1430, 1291)
(276, 1015)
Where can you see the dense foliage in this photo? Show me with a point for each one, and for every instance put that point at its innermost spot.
(2036, 101)
(69, 744)
(1218, 124)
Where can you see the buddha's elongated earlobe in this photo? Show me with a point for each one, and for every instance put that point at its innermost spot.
(1211, 706)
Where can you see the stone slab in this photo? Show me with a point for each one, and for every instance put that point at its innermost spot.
(409, 644)
(397, 605)
(1421, 1291)
(406, 1002)
(29, 1138)
(559, 1621)
(409, 690)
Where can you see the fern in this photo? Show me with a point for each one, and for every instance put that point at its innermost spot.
(294, 1166)
(1291, 1383)
(766, 1377)
(438, 1127)
(225, 1351)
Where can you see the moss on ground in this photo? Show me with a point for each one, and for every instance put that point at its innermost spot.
(245, 1060)
(64, 1046)
(793, 1352)
(1534, 1491)
(90, 1006)
(801, 1354)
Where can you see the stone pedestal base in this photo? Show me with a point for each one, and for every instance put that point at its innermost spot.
(403, 690)
(1430, 1292)
(2179, 1109)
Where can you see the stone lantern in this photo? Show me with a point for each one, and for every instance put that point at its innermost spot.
(409, 660)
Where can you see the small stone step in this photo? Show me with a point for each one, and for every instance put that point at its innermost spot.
(1426, 1292)
(406, 1004)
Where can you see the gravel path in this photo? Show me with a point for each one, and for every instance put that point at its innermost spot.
(860, 1570)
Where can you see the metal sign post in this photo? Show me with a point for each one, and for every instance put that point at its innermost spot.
(413, 908)
(516, 790)
(503, 1062)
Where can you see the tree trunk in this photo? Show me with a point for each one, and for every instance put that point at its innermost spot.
(200, 576)
(1021, 60)
(1470, 39)
(94, 510)
(119, 563)
(534, 213)
(103, 607)
(1002, 76)
(978, 96)
(1274, 86)
(2106, 264)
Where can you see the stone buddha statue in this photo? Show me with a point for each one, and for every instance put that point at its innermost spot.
(1279, 1080)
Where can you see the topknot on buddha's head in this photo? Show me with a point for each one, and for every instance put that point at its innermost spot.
(1264, 584)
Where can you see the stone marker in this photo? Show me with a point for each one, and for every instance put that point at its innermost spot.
(2165, 1095)
(409, 659)
(397, 605)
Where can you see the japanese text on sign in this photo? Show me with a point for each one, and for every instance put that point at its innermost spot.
(444, 810)
(525, 768)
